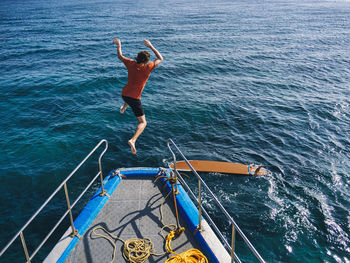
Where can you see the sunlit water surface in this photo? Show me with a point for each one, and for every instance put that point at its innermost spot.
(262, 82)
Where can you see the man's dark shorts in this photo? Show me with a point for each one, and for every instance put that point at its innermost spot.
(135, 105)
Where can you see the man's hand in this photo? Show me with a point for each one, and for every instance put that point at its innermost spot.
(147, 43)
(117, 42)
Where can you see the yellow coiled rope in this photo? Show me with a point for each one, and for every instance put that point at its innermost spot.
(190, 256)
(135, 250)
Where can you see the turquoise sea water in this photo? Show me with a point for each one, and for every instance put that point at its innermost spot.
(244, 81)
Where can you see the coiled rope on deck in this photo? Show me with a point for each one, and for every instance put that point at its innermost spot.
(135, 250)
(190, 256)
(138, 250)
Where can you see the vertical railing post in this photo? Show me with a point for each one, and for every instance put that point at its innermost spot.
(233, 243)
(199, 206)
(25, 247)
(176, 190)
(175, 171)
(74, 231)
(103, 191)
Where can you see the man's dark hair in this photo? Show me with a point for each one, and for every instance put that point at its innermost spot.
(142, 57)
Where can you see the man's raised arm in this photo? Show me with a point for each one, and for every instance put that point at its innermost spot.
(119, 48)
(158, 55)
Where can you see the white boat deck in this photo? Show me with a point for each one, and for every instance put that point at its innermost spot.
(132, 211)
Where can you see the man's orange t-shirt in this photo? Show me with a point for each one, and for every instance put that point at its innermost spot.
(138, 75)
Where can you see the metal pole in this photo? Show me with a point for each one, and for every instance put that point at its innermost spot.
(103, 192)
(199, 206)
(233, 243)
(25, 247)
(174, 157)
(175, 205)
(176, 190)
(74, 231)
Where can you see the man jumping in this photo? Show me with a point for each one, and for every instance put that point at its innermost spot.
(138, 74)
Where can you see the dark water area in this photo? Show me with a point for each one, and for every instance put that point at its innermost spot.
(262, 82)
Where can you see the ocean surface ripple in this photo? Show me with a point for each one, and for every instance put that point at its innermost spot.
(263, 82)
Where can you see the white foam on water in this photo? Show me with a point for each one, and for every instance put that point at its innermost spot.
(337, 258)
(272, 193)
(336, 178)
(335, 232)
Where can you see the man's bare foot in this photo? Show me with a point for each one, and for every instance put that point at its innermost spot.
(132, 145)
(122, 109)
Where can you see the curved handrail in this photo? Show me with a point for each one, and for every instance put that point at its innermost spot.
(251, 247)
(19, 233)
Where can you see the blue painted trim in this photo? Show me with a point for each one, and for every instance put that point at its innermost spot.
(129, 172)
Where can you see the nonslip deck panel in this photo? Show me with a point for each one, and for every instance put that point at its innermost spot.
(132, 211)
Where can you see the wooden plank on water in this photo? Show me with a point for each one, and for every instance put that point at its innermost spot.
(219, 167)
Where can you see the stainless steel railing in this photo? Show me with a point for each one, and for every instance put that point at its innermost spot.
(235, 227)
(69, 206)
